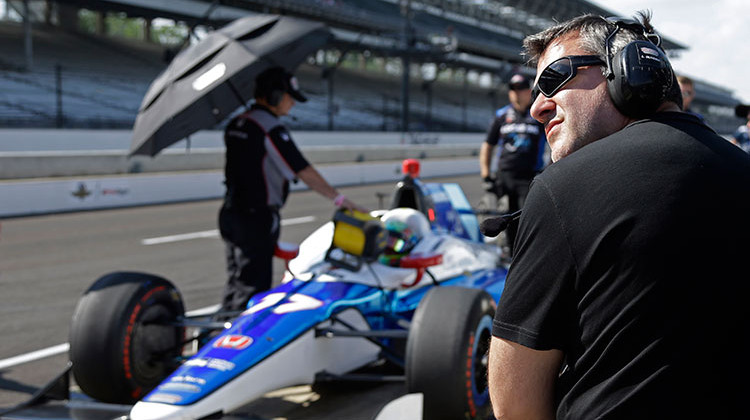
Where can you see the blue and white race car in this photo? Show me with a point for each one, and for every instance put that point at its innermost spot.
(356, 293)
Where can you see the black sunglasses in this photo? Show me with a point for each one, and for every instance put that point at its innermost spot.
(560, 72)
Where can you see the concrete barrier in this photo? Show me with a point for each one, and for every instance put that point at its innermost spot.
(15, 140)
(66, 163)
(63, 170)
(66, 194)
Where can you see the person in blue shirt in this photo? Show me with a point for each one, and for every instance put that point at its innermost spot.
(741, 136)
(521, 143)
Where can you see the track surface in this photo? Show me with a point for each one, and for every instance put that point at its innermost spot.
(46, 262)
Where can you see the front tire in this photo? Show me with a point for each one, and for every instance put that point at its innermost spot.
(446, 353)
(121, 343)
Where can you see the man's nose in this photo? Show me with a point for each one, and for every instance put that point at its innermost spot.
(542, 109)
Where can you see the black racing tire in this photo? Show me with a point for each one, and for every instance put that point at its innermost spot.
(120, 347)
(446, 353)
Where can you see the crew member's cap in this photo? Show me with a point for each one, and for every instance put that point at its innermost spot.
(277, 78)
(741, 110)
(519, 81)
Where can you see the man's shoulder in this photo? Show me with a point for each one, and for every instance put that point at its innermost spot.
(243, 126)
(642, 146)
(697, 114)
(597, 157)
(666, 126)
(266, 120)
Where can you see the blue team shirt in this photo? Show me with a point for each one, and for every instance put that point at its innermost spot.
(743, 138)
(521, 139)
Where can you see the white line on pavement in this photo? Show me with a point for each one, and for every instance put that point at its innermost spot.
(214, 233)
(64, 347)
(297, 220)
(34, 355)
(181, 237)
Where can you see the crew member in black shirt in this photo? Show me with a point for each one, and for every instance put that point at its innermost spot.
(628, 296)
(520, 140)
(261, 159)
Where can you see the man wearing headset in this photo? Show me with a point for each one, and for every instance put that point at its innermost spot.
(608, 311)
(261, 159)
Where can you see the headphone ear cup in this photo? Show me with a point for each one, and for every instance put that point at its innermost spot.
(615, 83)
(641, 80)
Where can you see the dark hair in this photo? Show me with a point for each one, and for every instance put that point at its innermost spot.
(270, 80)
(592, 32)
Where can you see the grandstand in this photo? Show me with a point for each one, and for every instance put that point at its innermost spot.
(95, 80)
(80, 81)
(76, 80)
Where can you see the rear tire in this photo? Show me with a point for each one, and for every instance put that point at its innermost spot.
(446, 353)
(120, 346)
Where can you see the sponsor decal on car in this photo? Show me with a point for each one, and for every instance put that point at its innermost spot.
(234, 342)
(164, 398)
(294, 303)
(211, 363)
(188, 379)
(178, 386)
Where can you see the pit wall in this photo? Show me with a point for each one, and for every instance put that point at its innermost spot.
(38, 181)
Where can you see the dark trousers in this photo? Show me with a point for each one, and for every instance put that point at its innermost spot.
(515, 185)
(250, 240)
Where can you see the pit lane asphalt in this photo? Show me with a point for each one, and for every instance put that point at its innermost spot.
(46, 262)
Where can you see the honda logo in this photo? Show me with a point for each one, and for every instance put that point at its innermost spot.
(235, 342)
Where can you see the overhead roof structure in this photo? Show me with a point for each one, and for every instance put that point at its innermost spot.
(481, 34)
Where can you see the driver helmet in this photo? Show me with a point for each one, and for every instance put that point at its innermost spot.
(405, 227)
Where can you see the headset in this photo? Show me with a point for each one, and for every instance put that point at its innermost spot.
(272, 87)
(274, 97)
(639, 77)
(272, 94)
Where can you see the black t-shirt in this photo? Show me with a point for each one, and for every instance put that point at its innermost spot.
(261, 159)
(631, 259)
(521, 141)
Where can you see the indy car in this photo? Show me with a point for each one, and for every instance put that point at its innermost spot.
(412, 287)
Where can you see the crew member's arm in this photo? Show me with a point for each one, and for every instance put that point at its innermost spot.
(293, 163)
(522, 380)
(313, 179)
(485, 159)
(485, 152)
